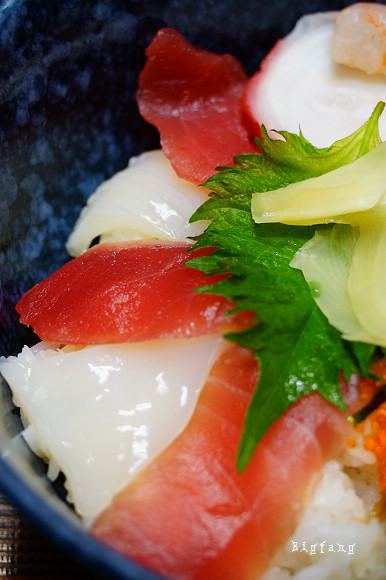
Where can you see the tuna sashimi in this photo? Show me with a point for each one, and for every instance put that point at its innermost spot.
(193, 97)
(127, 291)
(189, 515)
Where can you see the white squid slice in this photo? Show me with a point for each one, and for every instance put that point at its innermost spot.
(145, 200)
(101, 413)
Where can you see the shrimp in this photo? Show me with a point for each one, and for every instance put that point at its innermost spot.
(359, 39)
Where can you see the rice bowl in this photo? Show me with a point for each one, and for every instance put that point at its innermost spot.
(61, 121)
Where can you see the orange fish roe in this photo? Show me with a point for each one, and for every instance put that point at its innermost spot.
(375, 441)
(351, 442)
(367, 388)
(373, 428)
(380, 369)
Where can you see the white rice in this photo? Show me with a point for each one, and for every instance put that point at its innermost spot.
(339, 537)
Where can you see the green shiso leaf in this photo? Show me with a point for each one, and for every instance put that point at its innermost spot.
(298, 350)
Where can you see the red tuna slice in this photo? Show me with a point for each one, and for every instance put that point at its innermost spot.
(190, 516)
(125, 291)
(193, 97)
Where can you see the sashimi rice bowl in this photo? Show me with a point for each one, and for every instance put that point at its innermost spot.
(193, 258)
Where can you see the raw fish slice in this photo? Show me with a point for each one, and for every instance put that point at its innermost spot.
(124, 291)
(189, 515)
(193, 97)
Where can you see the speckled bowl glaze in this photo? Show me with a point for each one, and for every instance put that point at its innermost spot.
(68, 120)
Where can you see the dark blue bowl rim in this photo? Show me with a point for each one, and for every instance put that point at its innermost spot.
(79, 543)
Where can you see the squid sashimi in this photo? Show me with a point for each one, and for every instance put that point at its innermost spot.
(97, 413)
(146, 200)
(116, 292)
(193, 97)
(189, 515)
